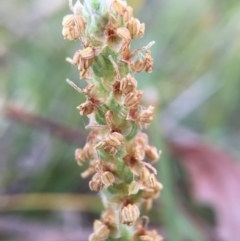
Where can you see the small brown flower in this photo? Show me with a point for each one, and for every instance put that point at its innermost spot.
(145, 117)
(117, 37)
(148, 62)
(134, 159)
(151, 236)
(112, 143)
(88, 89)
(117, 93)
(131, 99)
(88, 151)
(128, 84)
(135, 28)
(133, 113)
(101, 231)
(127, 15)
(152, 193)
(73, 26)
(127, 55)
(124, 34)
(80, 156)
(107, 178)
(96, 183)
(152, 153)
(129, 214)
(113, 40)
(84, 58)
(142, 234)
(119, 6)
(86, 108)
(109, 218)
(143, 65)
(91, 169)
(141, 140)
(138, 66)
(115, 139)
(89, 106)
(123, 10)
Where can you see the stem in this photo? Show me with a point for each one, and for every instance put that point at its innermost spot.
(116, 147)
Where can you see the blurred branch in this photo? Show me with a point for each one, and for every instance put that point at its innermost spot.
(63, 132)
(53, 202)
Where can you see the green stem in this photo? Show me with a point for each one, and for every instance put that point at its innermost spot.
(165, 173)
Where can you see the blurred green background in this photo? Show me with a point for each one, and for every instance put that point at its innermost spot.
(195, 87)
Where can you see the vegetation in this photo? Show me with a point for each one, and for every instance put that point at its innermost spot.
(196, 53)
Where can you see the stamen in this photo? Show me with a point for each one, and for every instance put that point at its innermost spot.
(74, 86)
(150, 167)
(69, 60)
(143, 48)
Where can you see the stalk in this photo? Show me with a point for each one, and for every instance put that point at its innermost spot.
(118, 154)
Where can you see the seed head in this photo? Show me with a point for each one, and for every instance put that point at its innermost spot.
(105, 29)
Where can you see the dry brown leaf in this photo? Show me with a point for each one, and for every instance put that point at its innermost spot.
(215, 180)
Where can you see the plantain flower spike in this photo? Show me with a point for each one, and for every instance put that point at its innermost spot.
(117, 153)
